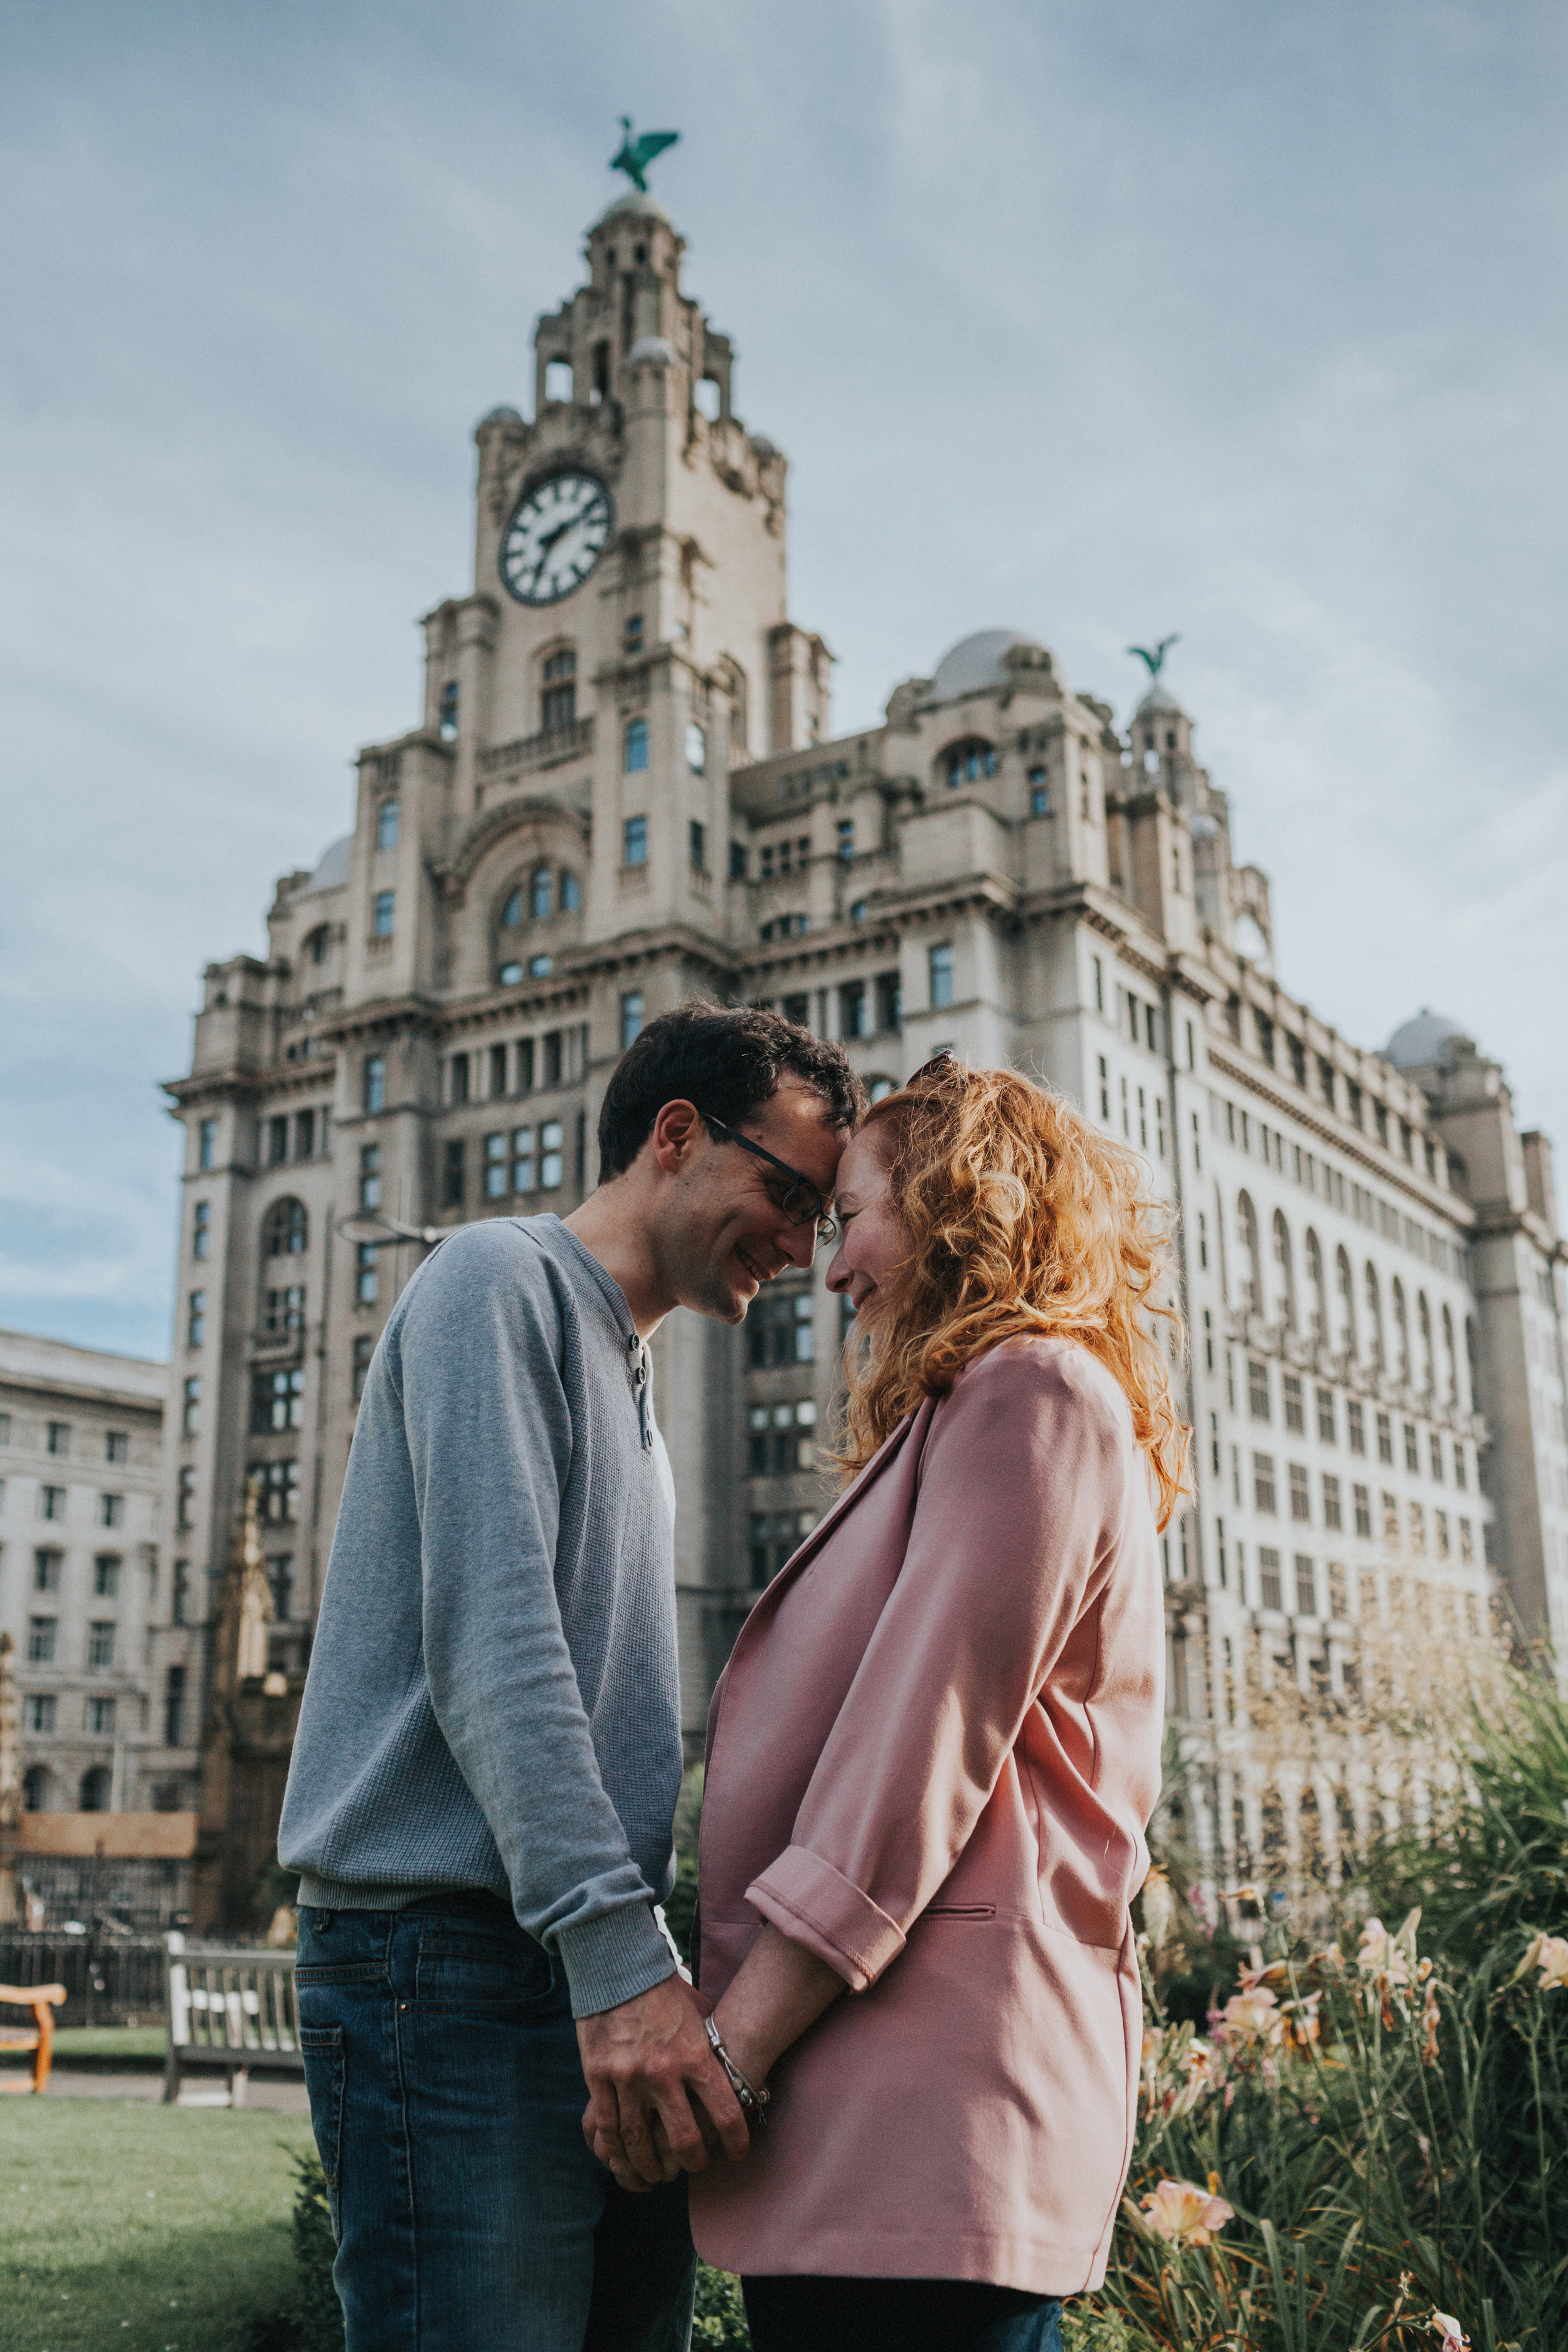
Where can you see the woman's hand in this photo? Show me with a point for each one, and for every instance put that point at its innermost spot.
(779, 1990)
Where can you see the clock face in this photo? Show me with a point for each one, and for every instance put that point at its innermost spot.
(556, 538)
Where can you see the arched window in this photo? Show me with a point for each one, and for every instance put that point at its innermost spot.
(1315, 1284)
(540, 893)
(1284, 1279)
(1450, 1368)
(511, 913)
(95, 1789)
(285, 1230)
(1345, 1283)
(571, 892)
(732, 681)
(36, 1788)
(1400, 1330)
(1246, 1217)
(1374, 1313)
(696, 748)
(636, 745)
(1424, 1324)
(966, 762)
(558, 702)
(386, 824)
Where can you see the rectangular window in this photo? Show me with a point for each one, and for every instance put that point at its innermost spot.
(1104, 1090)
(498, 1071)
(277, 1400)
(1306, 1586)
(1460, 1479)
(57, 1437)
(38, 1712)
(184, 1497)
(940, 960)
(41, 1632)
(381, 918)
(206, 1143)
(1301, 1492)
(1269, 1594)
(1332, 1516)
(737, 861)
(174, 1706)
(1361, 1496)
(552, 1163)
(493, 1159)
(366, 1279)
(277, 1491)
(550, 1045)
(852, 1009)
(180, 1595)
(191, 1406)
(889, 1004)
(631, 1017)
(697, 845)
(370, 1175)
(364, 1347)
(1417, 1529)
(111, 1510)
(522, 1161)
(1263, 1482)
(525, 1066)
(305, 1135)
(374, 1083)
(1412, 1447)
(452, 1173)
(635, 851)
(1355, 1425)
(1384, 1438)
(277, 1139)
(97, 1718)
(1440, 1525)
(196, 1321)
(1257, 1389)
(100, 1642)
(47, 1571)
(116, 1445)
(1295, 1411)
(387, 814)
(51, 1502)
(1436, 1454)
(1326, 1430)
(1390, 1516)
(1466, 1543)
(284, 1310)
(459, 1080)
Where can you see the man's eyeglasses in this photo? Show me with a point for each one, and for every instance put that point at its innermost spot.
(799, 1203)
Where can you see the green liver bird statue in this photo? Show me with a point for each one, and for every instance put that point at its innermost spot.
(1155, 662)
(636, 154)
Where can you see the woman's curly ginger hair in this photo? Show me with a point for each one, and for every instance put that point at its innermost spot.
(1020, 1218)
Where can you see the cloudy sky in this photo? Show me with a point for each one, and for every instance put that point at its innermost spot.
(1094, 318)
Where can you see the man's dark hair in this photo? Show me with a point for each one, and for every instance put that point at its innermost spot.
(729, 1061)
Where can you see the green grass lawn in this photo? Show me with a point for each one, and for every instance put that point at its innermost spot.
(100, 2042)
(158, 2228)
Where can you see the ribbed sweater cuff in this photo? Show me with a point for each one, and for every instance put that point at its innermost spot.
(613, 1957)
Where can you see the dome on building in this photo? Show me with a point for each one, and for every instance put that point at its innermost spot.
(500, 416)
(635, 205)
(975, 663)
(1428, 1040)
(1156, 702)
(333, 867)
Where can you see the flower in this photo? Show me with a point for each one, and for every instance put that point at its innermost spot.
(1379, 1953)
(1429, 2019)
(1251, 2016)
(1454, 2339)
(1188, 2215)
(1159, 1907)
(1549, 1955)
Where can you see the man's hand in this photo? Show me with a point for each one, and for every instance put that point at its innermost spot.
(647, 2062)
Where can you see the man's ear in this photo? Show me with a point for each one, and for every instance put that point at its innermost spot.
(676, 1133)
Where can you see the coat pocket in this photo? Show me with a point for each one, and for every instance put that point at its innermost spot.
(959, 1911)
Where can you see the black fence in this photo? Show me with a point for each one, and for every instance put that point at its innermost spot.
(110, 1979)
(134, 1891)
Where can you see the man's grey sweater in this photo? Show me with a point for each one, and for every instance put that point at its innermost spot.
(492, 1700)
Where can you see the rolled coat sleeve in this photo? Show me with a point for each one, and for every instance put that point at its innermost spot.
(1023, 1492)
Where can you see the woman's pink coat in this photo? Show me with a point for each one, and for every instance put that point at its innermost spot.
(931, 1759)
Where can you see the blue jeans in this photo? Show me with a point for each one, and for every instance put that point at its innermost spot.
(898, 2314)
(446, 2098)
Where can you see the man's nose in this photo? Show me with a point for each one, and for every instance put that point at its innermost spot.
(798, 1243)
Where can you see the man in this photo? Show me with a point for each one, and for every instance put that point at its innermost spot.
(484, 1780)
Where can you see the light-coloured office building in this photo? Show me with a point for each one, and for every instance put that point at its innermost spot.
(623, 789)
(81, 1580)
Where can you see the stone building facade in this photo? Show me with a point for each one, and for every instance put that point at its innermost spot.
(622, 788)
(81, 1580)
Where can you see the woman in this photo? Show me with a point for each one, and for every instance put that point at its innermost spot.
(936, 1746)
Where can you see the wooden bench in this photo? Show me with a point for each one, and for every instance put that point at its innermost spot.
(38, 2037)
(232, 2011)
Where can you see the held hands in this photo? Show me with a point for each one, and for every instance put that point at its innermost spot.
(659, 2100)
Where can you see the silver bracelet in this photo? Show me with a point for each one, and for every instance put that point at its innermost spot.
(754, 2103)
